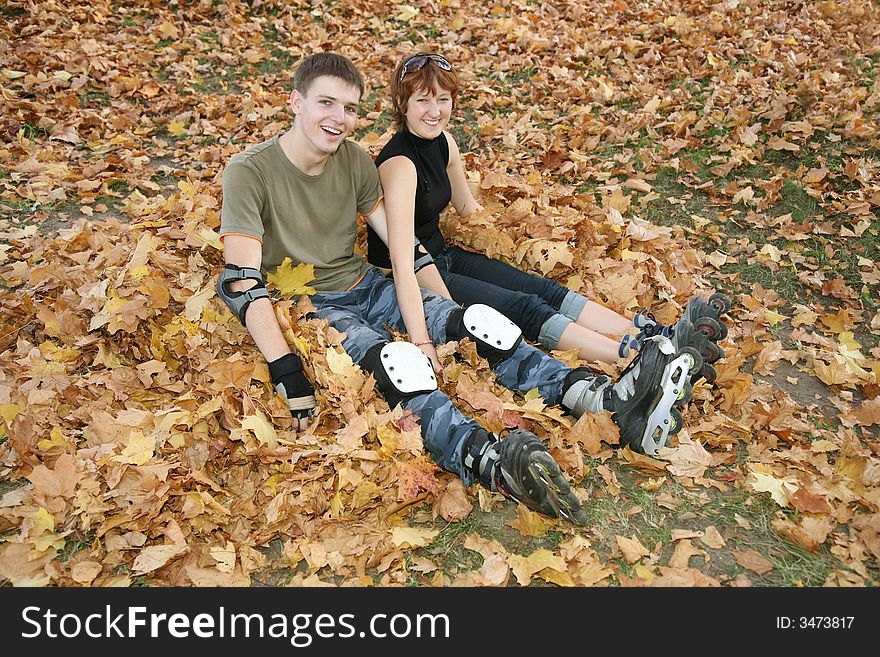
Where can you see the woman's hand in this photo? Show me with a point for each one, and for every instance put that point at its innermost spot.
(431, 353)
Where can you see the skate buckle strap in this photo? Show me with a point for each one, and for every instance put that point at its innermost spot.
(675, 376)
(665, 344)
(489, 456)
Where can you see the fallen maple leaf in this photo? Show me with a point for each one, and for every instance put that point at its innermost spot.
(453, 503)
(290, 280)
(155, 556)
(415, 475)
(529, 523)
(764, 483)
(689, 459)
(524, 568)
(712, 538)
(412, 537)
(262, 429)
(753, 561)
(684, 550)
(632, 549)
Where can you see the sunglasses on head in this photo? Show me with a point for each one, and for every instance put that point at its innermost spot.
(417, 62)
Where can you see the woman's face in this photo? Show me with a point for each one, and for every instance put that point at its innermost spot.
(428, 112)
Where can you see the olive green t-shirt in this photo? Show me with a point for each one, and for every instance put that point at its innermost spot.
(311, 219)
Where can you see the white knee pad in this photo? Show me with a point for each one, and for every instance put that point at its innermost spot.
(406, 369)
(490, 329)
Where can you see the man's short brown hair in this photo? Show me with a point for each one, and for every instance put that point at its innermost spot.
(326, 63)
(427, 78)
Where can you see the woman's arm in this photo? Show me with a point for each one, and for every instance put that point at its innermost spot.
(462, 199)
(399, 178)
(428, 276)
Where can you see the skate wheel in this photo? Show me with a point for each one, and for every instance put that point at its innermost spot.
(684, 395)
(714, 329)
(676, 421)
(708, 372)
(713, 352)
(720, 302)
(696, 360)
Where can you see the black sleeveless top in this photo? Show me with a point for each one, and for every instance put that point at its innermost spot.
(433, 191)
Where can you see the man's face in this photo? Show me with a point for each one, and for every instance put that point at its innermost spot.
(327, 114)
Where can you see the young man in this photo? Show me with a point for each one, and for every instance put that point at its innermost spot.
(297, 196)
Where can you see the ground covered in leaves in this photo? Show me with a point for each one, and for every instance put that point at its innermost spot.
(638, 151)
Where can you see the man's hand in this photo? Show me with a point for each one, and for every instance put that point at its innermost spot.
(292, 384)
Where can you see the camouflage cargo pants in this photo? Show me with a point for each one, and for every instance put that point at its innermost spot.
(363, 311)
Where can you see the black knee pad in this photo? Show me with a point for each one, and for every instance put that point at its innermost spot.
(496, 336)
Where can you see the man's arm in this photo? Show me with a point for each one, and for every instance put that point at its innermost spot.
(263, 326)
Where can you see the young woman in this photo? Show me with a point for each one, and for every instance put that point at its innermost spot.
(421, 171)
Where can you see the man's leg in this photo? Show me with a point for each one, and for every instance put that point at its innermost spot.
(519, 467)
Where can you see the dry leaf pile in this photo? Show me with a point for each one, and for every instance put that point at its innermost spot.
(138, 420)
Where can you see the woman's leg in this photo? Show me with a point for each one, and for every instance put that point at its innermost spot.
(478, 266)
(604, 320)
(593, 346)
(528, 311)
(589, 315)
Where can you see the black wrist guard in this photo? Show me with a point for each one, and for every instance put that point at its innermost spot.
(292, 384)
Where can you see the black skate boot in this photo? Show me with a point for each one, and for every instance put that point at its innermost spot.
(643, 400)
(700, 327)
(520, 467)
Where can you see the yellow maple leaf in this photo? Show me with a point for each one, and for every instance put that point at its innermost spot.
(289, 280)
(139, 449)
(187, 188)
(837, 322)
(338, 362)
(529, 523)
(56, 439)
(773, 318)
(211, 238)
(262, 429)
(412, 537)
(778, 488)
(388, 437)
(176, 128)
(525, 567)
(9, 411)
(831, 374)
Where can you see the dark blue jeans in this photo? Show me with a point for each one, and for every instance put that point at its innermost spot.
(541, 307)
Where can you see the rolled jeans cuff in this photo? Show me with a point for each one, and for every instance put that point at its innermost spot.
(572, 305)
(551, 330)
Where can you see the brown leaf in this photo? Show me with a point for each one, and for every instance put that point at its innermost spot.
(61, 481)
(529, 523)
(155, 556)
(591, 429)
(17, 567)
(809, 501)
(415, 475)
(632, 549)
(681, 557)
(868, 413)
(753, 561)
(689, 459)
(453, 503)
(712, 538)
